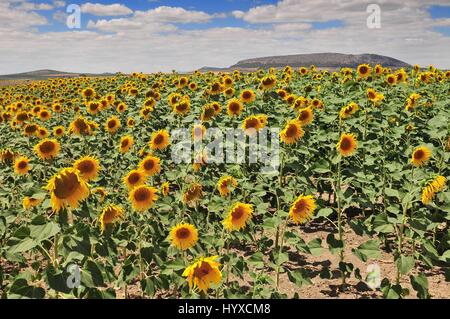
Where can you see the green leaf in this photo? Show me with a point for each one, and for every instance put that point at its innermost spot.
(334, 245)
(369, 249)
(420, 284)
(257, 260)
(299, 277)
(43, 232)
(405, 264)
(324, 212)
(392, 192)
(20, 289)
(24, 245)
(315, 247)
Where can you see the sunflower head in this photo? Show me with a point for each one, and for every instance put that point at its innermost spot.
(165, 189)
(67, 189)
(251, 125)
(234, 107)
(143, 197)
(30, 202)
(112, 124)
(150, 165)
(134, 178)
(160, 140)
(247, 96)
(364, 70)
(202, 273)
(22, 165)
(420, 156)
(302, 209)
(193, 193)
(347, 144)
(226, 184)
(126, 143)
(47, 149)
(238, 216)
(305, 116)
(184, 236)
(292, 132)
(110, 215)
(88, 167)
(58, 131)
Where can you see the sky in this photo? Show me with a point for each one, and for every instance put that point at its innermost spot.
(184, 35)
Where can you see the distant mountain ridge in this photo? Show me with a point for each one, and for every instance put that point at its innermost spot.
(322, 60)
(47, 74)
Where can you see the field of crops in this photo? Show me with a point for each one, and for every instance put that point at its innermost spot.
(95, 203)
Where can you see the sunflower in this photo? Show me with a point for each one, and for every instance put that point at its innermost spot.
(112, 124)
(348, 110)
(101, 192)
(30, 202)
(183, 236)
(347, 144)
(165, 188)
(58, 131)
(430, 190)
(110, 215)
(121, 107)
(93, 107)
(88, 93)
(7, 155)
(229, 92)
(131, 122)
(208, 112)
(21, 117)
(302, 209)
(262, 119)
(202, 273)
(22, 165)
(391, 79)
(305, 116)
(150, 165)
(247, 96)
(234, 107)
(224, 184)
(143, 197)
(371, 94)
(363, 70)
(238, 216)
(145, 112)
(67, 189)
(126, 142)
(44, 115)
(268, 82)
(42, 132)
(420, 156)
(292, 132)
(251, 125)
(183, 106)
(193, 193)
(81, 126)
(160, 140)
(30, 129)
(134, 178)
(47, 149)
(88, 167)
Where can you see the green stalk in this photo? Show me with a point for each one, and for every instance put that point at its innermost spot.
(280, 250)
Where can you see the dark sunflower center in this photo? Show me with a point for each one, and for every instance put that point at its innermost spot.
(149, 164)
(237, 213)
(112, 124)
(86, 167)
(66, 185)
(134, 178)
(22, 165)
(183, 233)
(47, 147)
(346, 144)
(246, 95)
(419, 154)
(159, 139)
(291, 131)
(141, 195)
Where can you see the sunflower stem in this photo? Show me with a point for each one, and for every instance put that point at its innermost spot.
(280, 250)
(340, 230)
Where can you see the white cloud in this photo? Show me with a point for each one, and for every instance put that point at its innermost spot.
(59, 3)
(149, 41)
(28, 6)
(102, 10)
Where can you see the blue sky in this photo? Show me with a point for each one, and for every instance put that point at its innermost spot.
(186, 34)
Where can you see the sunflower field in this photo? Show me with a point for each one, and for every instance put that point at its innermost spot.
(93, 204)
